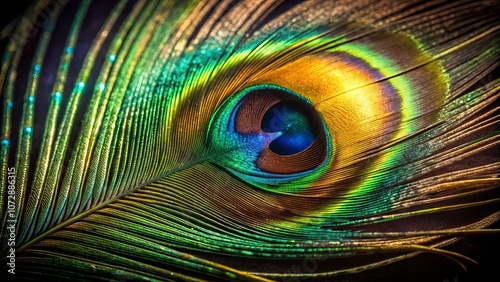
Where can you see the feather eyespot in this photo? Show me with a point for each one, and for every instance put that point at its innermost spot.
(279, 134)
(295, 137)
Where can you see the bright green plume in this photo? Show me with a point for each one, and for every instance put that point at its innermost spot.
(236, 140)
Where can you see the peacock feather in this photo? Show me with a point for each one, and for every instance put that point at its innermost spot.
(247, 140)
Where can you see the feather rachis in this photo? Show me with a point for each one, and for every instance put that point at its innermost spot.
(154, 169)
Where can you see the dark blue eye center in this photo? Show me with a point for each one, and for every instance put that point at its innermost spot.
(279, 130)
(293, 121)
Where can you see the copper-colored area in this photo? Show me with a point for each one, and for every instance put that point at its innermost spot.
(252, 110)
(310, 158)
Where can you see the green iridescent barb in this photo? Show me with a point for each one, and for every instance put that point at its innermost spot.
(247, 140)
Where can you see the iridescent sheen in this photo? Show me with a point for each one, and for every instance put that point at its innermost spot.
(246, 140)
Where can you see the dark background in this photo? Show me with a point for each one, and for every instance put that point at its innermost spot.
(427, 267)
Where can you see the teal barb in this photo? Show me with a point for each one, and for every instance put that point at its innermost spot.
(247, 140)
